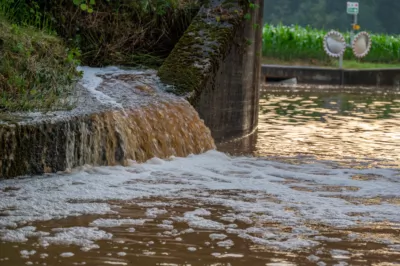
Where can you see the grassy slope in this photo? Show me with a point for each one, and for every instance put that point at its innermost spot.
(35, 72)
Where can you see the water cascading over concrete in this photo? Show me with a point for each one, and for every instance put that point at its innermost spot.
(120, 116)
(123, 115)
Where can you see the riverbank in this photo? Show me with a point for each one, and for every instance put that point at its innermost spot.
(347, 64)
(43, 42)
(37, 71)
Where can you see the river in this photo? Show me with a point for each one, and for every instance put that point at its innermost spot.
(318, 184)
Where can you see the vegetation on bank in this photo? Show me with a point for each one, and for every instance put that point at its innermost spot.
(291, 43)
(38, 69)
(119, 32)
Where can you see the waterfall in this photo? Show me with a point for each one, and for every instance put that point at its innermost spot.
(121, 115)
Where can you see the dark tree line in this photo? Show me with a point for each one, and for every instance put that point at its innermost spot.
(378, 16)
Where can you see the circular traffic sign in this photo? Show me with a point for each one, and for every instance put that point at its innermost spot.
(361, 44)
(334, 44)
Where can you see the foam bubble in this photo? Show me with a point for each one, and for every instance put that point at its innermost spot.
(67, 254)
(116, 222)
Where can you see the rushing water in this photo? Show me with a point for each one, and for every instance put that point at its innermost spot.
(322, 189)
(121, 115)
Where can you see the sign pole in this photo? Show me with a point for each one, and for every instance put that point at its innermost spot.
(352, 28)
(353, 9)
(335, 44)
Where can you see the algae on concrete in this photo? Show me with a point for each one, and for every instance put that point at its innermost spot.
(202, 48)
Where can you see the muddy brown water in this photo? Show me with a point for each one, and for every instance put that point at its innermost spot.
(354, 126)
(341, 127)
(151, 245)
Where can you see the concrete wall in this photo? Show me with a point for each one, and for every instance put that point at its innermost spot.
(332, 76)
(225, 88)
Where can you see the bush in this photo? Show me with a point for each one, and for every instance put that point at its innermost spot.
(36, 70)
(121, 32)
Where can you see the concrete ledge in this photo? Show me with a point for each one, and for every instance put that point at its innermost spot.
(144, 123)
(332, 76)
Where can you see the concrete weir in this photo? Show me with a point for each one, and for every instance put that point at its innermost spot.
(125, 117)
(216, 65)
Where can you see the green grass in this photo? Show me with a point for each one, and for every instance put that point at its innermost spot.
(288, 43)
(350, 64)
(36, 70)
(347, 64)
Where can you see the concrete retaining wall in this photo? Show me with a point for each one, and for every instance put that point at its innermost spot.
(216, 65)
(332, 76)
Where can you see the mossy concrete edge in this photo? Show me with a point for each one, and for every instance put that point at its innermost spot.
(203, 46)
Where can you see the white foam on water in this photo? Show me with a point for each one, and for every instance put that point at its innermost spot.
(21, 234)
(195, 220)
(395, 247)
(258, 189)
(313, 258)
(165, 226)
(341, 263)
(117, 222)
(218, 236)
(148, 253)
(227, 255)
(67, 254)
(80, 236)
(27, 253)
(328, 239)
(340, 254)
(283, 263)
(154, 212)
(91, 81)
(226, 243)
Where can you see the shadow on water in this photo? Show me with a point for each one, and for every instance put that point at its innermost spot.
(348, 125)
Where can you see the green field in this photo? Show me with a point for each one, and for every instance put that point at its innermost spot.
(348, 64)
(304, 45)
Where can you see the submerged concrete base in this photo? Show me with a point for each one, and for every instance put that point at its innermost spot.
(332, 76)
